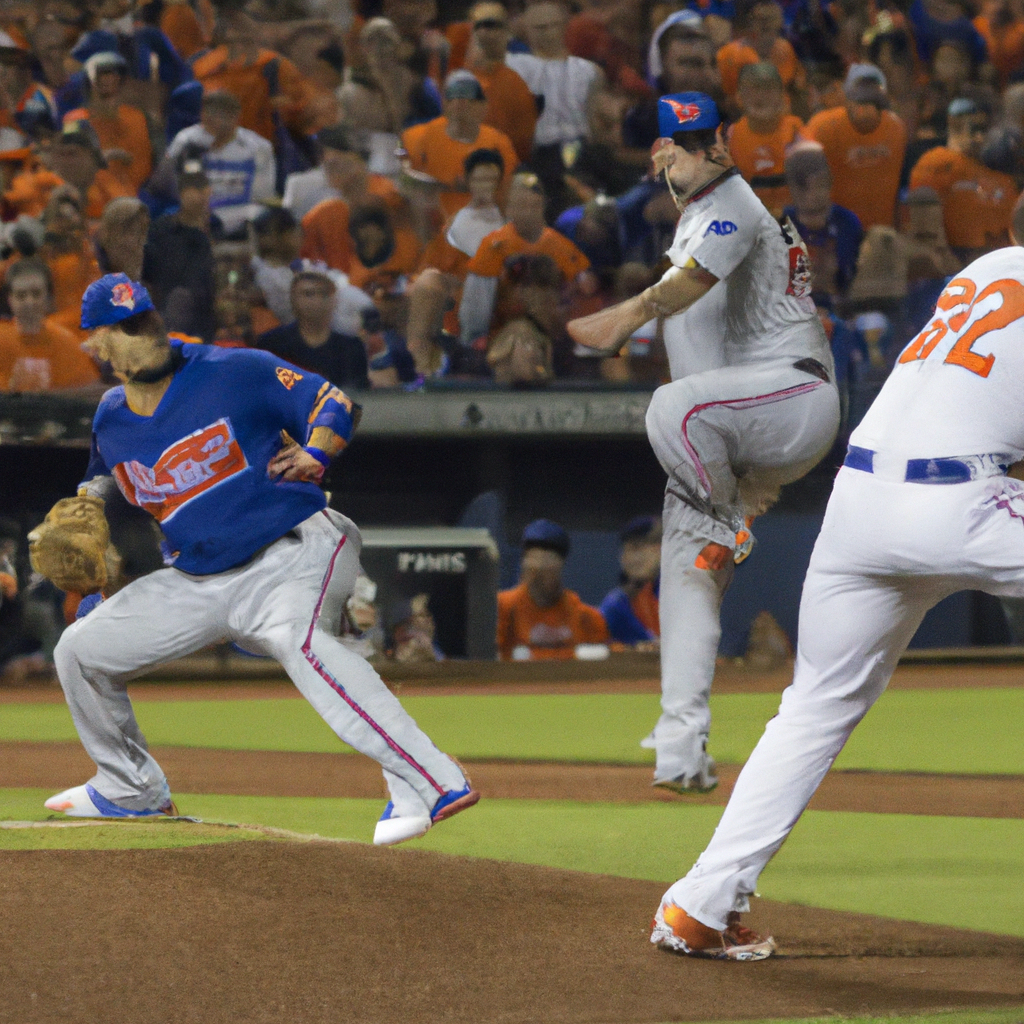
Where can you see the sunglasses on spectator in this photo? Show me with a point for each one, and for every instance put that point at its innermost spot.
(489, 23)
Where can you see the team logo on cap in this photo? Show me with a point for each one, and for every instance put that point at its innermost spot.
(685, 112)
(122, 295)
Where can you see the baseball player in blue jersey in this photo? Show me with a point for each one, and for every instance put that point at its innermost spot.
(226, 449)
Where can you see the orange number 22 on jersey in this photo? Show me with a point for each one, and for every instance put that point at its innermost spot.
(962, 291)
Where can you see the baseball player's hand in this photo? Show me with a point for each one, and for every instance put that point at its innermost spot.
(294, 463)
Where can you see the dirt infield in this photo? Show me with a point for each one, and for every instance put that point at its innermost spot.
(280, 773)
(284, 932)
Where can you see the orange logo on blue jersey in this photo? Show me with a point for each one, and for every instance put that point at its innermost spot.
(187, 469)
(287, 377)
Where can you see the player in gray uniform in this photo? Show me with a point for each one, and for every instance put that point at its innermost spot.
(728, 437)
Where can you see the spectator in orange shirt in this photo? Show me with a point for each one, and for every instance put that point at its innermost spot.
(481, 310)
(1002, 27)
(759, 141)
(381, 255)
(540, 619)
(976, 202)
(759, 27)
(440, 147)
(438, 287)
(26, 184)
(325, 227)
(37, 354)
(77, 158)
(68, 253)
(864, 144)
(240, 65)
(511, 107)
(121, 129)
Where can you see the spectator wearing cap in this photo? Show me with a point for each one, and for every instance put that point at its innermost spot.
(239, 163)
(540, 619)
(77, 157)
(631, 609)
(977, 202)
(758, 37)
(526, 233)
(864, 144)
(935, 24)
(177, 266)
(439, 148)
(327, 238)
(437, 290)
(23, 102)
(511, 107)
(264, 82)
(121, 129)
(27, 184)
(759, 141)
(37, 353)
(831, 233)
(310, 340)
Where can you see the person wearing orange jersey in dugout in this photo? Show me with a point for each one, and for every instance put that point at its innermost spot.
(864, 144)
(540, 619)
(977, 202)
(759, 141)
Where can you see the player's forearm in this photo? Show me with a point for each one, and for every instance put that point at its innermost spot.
(678, 289)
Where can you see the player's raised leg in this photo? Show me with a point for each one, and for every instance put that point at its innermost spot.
(296, 620)
(154, 619)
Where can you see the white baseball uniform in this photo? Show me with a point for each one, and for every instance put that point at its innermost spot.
(730, 436)
(892, 545)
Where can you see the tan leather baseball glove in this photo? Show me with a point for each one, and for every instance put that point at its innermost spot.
(69, 546)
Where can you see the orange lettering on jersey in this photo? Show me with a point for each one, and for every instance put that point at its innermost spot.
(963, 292)
(1010, 309)
(288, 377)
(186, 469)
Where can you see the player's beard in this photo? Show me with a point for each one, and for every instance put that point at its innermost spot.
(155, 374)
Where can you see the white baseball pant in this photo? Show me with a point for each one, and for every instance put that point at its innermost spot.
(287, 603)
(728, 439)
(887, 552)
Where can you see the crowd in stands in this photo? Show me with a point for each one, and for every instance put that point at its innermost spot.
(399, 191)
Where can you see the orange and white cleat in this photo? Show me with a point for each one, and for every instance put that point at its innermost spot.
(674, 930)
(745, 542)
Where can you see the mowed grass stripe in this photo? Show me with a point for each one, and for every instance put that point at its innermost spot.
(961, 872)
(950, 731)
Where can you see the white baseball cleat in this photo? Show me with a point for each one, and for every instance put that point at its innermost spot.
(674, 930)
(86, 802)
(393, 828)
(701, 781)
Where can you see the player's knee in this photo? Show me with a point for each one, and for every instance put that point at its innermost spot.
(66, 653)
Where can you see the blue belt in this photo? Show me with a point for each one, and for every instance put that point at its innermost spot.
(931, 471)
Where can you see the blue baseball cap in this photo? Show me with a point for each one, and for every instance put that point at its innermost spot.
(686, 112)
(543, 533)
(111, 299)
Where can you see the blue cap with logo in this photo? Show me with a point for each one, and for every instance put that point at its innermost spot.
(686, 112)
(543, 533)
(111, 299)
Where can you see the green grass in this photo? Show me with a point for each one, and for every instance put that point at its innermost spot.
(962, 872)
(909, 730)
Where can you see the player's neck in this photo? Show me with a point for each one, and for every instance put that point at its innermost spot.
(143, 399)
(708, 178)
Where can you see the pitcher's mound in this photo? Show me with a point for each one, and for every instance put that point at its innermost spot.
(288, 932)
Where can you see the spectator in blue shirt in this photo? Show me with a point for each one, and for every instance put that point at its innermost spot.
(631, 609)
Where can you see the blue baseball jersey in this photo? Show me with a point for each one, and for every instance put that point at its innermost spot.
(199, 463)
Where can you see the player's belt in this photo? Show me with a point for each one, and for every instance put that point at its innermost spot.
(927, 471)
